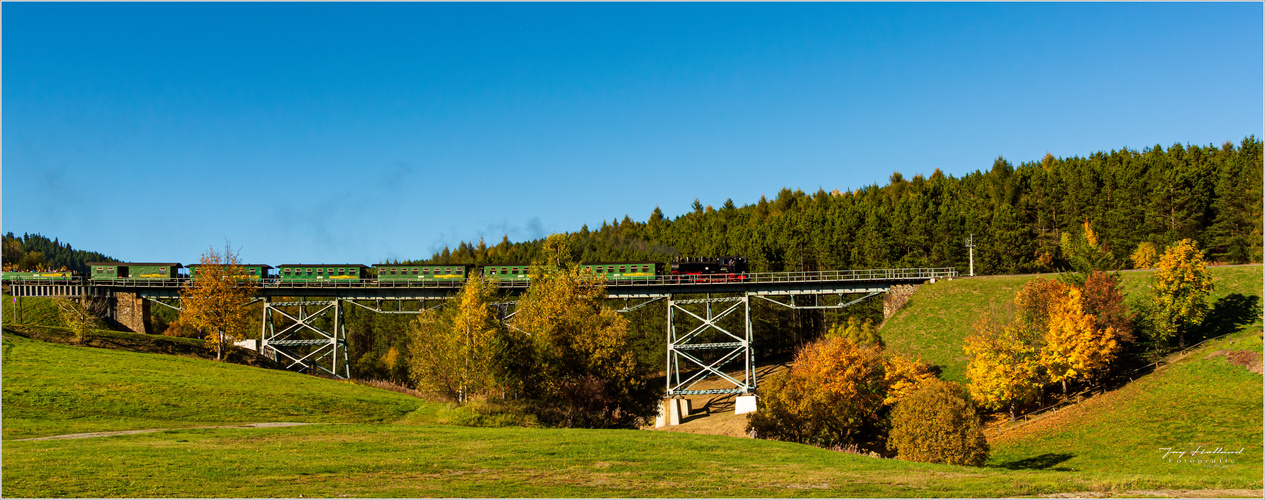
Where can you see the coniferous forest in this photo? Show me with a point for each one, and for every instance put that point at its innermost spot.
(34, 251)
(1021, 217)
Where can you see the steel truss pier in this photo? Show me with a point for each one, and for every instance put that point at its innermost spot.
(302, 344)
(313, 333)
(700, 353)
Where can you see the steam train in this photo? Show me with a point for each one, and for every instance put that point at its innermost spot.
(690, 269)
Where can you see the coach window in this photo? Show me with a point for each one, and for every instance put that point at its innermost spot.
(622, 268)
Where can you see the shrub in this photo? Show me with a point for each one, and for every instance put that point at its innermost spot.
(833, 396)
(937, 424)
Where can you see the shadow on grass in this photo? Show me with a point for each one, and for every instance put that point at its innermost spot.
(1229, 314)
(1039, 462)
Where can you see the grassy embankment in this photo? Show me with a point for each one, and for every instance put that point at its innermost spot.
(57, 389)
(1201, 401)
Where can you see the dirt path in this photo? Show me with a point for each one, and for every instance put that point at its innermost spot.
(147, 431)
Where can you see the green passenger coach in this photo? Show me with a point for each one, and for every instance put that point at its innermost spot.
(135, 270)
(507, 272)
(622, 271)
(418, 273)
(321, 273)
(252, 272)
(53, 276)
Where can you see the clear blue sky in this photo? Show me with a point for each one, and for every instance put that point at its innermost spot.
(332, 133)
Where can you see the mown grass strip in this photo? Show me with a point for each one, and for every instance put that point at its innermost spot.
(422, 461)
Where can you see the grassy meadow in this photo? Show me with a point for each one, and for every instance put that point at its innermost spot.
(368, 442)
(61, 389)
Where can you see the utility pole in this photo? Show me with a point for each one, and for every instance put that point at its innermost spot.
(970, 246)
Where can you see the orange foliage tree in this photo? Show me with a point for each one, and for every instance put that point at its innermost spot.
(1101, 297)
(832, 396)
(838, 393)
(215, 300)
(1075, 346)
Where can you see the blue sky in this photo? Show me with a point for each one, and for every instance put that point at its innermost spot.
(332, 133)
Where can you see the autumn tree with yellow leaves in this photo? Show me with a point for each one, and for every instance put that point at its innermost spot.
(454, 349)
(1005, 368)
(1076, 347)
(577, 364)
(1145, 256)
(1060, 333)
(839, 391)
(1181, 285)
(215, 300)
(832, 396)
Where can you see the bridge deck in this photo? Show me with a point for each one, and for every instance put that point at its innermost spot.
(848, 281)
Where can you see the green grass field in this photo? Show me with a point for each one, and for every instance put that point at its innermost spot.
(373, 443)
(935, 322)
(365, 447)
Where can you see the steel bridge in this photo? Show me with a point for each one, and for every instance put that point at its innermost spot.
(303, 324)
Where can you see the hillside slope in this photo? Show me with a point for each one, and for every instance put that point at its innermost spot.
(935, 322)
(60, 389)
(1207, 400)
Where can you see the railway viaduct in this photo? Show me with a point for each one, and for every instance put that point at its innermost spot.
(709, 323)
